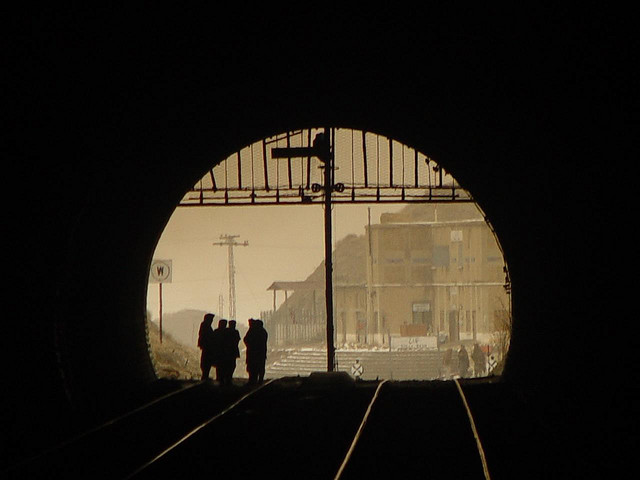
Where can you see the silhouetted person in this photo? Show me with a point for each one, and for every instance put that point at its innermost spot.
(447, 358)
(479, 362)
(256, 343)
(230, 352)
(205, 343)
(217, 346)
(463, 361)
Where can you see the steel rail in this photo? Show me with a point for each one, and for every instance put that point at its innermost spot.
(359, 432)
(485, 467)
(73, 440)
(193, 432)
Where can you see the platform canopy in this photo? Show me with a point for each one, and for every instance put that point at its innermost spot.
(368, 168)
(296, 286)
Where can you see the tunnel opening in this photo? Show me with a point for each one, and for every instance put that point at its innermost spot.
(420, 286)
(532, 119)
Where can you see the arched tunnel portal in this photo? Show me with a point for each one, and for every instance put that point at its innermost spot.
(100, 347)
(99, 330)
(94, 329)
(123, 358)
(445, 303)
(106, 145)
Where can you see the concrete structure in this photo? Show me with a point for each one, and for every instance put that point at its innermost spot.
(428, 276)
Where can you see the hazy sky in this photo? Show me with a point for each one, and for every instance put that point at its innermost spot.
(286, 243)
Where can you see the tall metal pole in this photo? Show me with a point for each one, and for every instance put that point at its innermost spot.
(229, 241)
(328, 261)
(160, 305)
(232, 283)
(322, 148)
(371, 320)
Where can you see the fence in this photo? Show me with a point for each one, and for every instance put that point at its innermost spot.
(283, 334)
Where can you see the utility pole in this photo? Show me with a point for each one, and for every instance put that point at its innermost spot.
(221, 305)
(372, 321)
(230, 242)
(324, 142)
(323, 150)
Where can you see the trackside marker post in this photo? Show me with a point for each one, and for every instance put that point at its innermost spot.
(161, 272)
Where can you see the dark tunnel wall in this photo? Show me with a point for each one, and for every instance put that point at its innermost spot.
(111, 128)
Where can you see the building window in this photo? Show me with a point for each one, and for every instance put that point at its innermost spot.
(394, 260)
(422, 315)
(421, 274)
(418, 239)
(394, 274)
(441, 256)
(392, 240)
(420, 260)
(361, 299)
(468, 320)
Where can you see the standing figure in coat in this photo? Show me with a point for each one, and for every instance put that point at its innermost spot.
(205, 343)
(217, 342)
(479, 361)
(256, 343)
(230, 352)
(463, 361)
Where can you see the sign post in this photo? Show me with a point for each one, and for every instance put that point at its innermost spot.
(357, 370)
(161, 272)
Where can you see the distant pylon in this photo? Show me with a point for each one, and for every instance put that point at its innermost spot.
(230, 242)
(221, 306)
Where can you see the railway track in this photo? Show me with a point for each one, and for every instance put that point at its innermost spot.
(321, 426)
(307, 430)
(114, 448)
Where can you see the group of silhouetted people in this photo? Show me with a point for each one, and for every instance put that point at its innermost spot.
(220, 349)
(463, 368)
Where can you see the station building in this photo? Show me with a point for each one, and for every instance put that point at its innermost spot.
(427, 276)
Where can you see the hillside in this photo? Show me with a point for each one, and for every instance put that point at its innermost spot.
(178, 355)
(170, 358)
